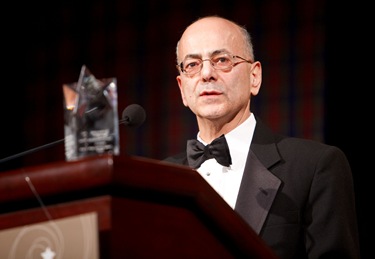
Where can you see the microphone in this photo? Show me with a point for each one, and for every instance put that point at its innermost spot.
(132, 116)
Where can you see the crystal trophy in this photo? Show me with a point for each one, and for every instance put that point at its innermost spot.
(90, 116)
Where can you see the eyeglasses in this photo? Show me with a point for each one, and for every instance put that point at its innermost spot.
(221, 61)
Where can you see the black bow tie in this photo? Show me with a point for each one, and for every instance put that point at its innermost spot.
(197, 153)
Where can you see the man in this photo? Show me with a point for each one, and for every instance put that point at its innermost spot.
(296, 194)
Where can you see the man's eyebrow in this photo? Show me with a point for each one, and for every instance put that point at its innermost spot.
(215, 52)
(193, 56)
(219, 51)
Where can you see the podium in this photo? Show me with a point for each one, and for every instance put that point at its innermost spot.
(145, 208)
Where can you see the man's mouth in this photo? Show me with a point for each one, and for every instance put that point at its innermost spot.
(209, 93)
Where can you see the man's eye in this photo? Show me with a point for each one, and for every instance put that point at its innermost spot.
(191, 64)
(222, 60)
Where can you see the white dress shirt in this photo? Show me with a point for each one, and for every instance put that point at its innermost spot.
(226, 180)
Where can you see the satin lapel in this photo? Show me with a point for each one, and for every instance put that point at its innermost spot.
(257, 191)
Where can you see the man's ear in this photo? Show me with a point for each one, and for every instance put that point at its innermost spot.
(256, 74)
(178, 78)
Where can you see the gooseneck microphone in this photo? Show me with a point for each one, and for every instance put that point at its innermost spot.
(132, 116)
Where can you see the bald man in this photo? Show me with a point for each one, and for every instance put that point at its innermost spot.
(296, 194)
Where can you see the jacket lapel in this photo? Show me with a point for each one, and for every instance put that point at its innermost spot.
(259, 186)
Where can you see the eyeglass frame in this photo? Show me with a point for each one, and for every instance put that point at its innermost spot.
(231, 56)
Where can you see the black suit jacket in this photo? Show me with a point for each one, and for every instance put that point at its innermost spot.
(298, 195)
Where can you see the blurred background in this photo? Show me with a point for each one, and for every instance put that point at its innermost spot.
(315, 84)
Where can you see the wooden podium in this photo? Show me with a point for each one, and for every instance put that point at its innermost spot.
(145, 208)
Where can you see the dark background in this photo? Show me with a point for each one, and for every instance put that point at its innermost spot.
(315, 55)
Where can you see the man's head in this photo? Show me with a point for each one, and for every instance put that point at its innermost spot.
(218, 73)
(245, 36)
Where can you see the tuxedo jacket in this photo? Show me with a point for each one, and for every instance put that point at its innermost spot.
(298, 196)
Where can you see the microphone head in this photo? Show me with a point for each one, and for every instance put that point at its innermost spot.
(133, 115)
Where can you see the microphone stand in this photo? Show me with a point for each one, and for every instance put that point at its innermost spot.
(31, 150)
(132, 116)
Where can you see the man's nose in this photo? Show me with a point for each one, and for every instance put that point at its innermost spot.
(207, 67)
(208, 72)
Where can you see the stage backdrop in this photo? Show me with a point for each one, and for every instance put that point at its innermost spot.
(315, 83)
(135, 42)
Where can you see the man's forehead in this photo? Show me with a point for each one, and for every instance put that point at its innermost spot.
(207, 45)
(209, 35)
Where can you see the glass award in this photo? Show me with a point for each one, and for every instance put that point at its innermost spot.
(91, 124)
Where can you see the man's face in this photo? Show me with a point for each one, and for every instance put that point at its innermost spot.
(211, 93)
